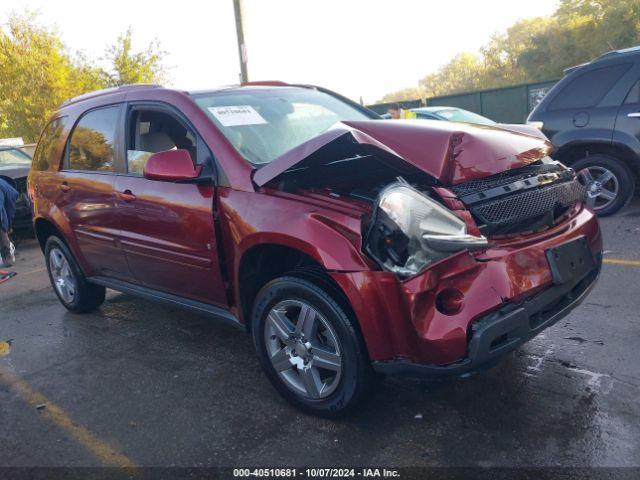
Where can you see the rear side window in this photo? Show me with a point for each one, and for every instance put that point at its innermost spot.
(91, 145)
(634, 94)
(47, 146)
(588, 89)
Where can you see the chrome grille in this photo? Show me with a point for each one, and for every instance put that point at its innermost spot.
(530, 204)
(522, 199)
(505, 178)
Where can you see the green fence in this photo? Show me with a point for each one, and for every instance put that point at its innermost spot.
(505, 105)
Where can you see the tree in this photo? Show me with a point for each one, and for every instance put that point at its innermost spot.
(38, 72)
(36, 75)
(539, 49)
(135, 67)
(464, 72)
(411, 93)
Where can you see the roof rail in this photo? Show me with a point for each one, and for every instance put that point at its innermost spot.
(106, 91)
(612, 53)
(265, 83)
(567, 71)
(622, 51)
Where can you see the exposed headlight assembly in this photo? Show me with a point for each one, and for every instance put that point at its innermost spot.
(409, 231)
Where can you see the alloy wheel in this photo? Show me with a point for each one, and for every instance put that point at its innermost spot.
(63, 279)
(303, 348)
(602, 187)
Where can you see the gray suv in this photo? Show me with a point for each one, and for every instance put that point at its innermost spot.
(592, 117)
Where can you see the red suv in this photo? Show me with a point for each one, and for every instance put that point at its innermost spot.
(345, 244)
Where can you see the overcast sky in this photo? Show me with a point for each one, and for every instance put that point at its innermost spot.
(357, 47)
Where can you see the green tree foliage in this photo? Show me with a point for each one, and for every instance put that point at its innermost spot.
(36, 75)
(38, 72)
(410, 93)
(539, 49)
(135, 67)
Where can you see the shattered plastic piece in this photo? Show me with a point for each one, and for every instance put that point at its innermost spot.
(5, 347)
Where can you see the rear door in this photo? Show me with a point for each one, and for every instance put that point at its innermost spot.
(585, 108)
(627, 129)
(167, 229)
(87, 196)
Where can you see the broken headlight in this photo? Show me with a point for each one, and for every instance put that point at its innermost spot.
(409, 231)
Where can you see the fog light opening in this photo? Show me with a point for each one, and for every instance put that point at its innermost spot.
(449, 301)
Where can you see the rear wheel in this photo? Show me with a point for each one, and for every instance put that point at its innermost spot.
(309, 346)
(609, 182)
(70, 285)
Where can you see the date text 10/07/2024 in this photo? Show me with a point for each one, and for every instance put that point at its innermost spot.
(316, 473)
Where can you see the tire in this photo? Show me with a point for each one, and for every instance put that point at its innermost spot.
(68, 281)
(297, 370)
(621, 183)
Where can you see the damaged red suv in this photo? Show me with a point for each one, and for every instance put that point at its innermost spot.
(345, 244)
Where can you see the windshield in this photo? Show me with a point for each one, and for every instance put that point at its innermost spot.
(264, 124)
(13, 156)
(458, 115)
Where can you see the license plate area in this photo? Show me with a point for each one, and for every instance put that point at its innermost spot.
(570, 261)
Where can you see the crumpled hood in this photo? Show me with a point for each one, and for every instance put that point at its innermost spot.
(450, 152)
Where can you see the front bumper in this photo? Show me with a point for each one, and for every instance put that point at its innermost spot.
(503, 331)
(23, 219)
(504, 289)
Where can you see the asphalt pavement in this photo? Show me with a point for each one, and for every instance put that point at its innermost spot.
(137, 383)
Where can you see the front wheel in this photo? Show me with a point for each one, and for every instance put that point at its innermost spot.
(309, 346)
(609, 183)
(70, 285)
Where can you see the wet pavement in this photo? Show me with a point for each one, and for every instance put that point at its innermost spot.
(139, 383)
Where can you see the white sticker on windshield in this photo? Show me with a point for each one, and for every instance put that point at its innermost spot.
(233, 116)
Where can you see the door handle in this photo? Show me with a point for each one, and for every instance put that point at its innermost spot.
(65, 187)
(127, 196)
(633, 115)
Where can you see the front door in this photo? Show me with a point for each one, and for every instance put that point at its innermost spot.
(167, 229)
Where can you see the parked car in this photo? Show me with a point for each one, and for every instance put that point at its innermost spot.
(592, 117)
(454, 114)
(14, 168)
(451, 114)
(344, 244)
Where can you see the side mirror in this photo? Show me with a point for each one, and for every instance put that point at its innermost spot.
(170, 166)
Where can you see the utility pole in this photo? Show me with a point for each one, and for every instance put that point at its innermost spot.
(242, 48)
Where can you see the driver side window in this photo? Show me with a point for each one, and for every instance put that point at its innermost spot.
(153, 131)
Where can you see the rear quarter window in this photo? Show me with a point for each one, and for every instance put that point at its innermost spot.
(45, 155)
(588, 89)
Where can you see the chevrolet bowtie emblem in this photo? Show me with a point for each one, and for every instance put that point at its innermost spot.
(547, 178)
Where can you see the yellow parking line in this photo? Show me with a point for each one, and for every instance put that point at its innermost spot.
(101, 450)
(621, 261)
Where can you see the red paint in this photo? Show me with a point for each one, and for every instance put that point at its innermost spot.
(450, 152)
(189, 239)
(171, 165)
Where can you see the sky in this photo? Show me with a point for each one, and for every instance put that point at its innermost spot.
(360, 48)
